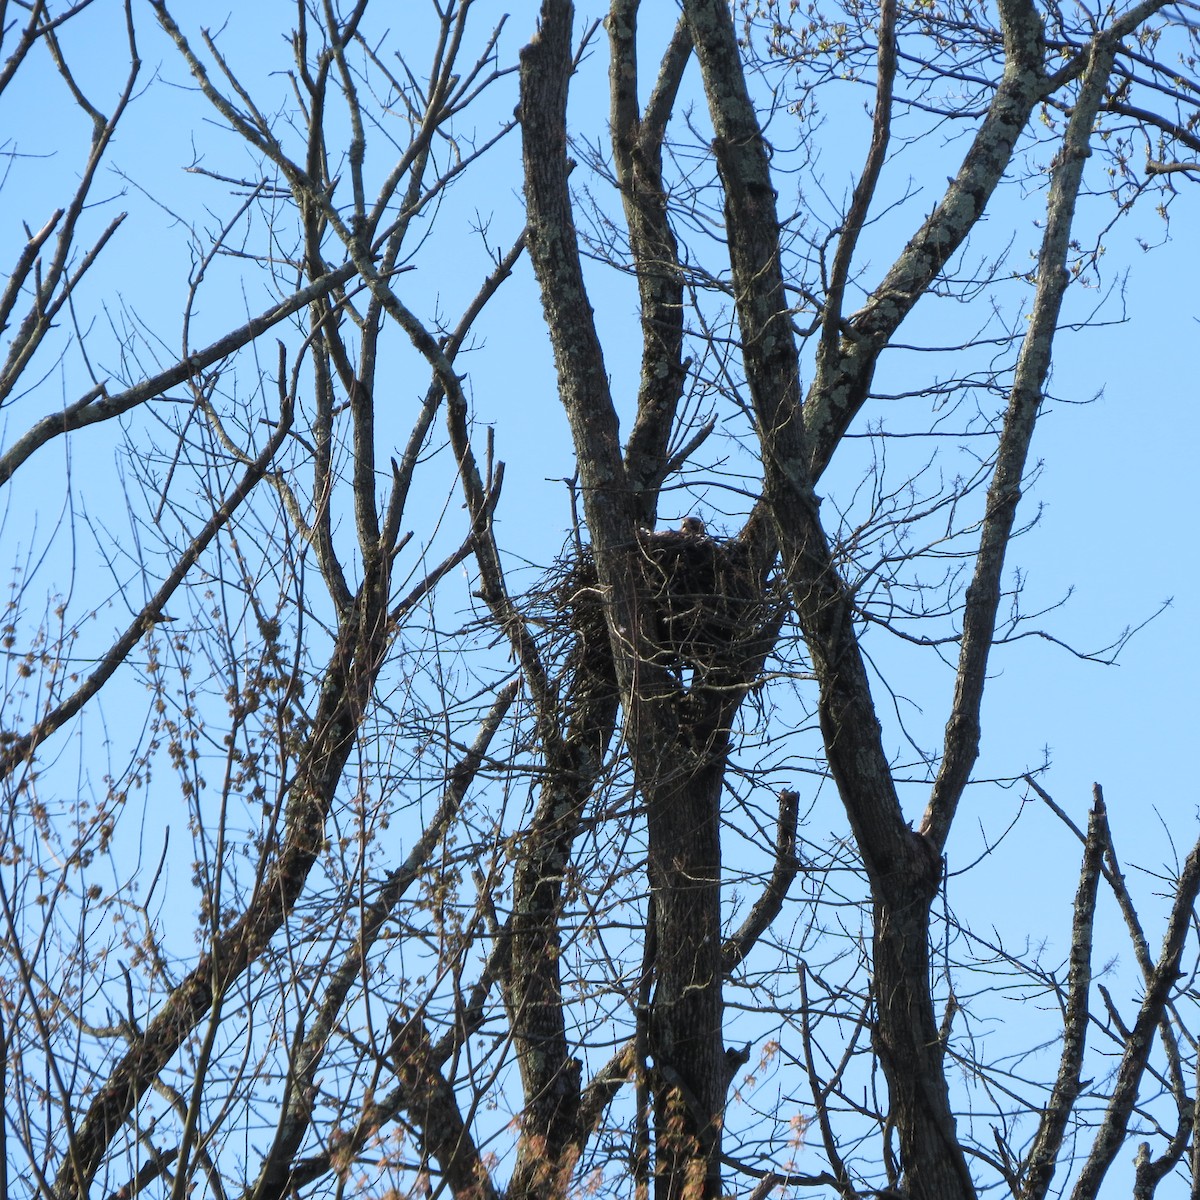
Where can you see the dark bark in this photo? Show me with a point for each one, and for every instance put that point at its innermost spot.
(683, 821)
(431, 1103)
(678, 738)
(553, 1128)
(1110, 1137)
(637, 153)
(1047, 1143)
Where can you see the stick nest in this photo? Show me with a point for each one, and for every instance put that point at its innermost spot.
(711, 605)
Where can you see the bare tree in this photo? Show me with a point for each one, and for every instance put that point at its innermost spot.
(519, 881)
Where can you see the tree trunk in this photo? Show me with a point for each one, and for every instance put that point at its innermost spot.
(683, 816)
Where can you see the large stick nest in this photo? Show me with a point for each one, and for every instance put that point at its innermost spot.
(711, 605)
(710, 601)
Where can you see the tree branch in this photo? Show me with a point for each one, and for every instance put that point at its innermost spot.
(961, 746)
(1042, 1159)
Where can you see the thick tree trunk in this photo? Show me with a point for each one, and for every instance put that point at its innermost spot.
(678, 754)
(683, 815)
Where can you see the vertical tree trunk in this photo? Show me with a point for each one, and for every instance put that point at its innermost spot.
(683, 815)
(678, 747)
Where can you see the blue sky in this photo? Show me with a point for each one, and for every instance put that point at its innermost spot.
(1116, 485)
(1116, 488)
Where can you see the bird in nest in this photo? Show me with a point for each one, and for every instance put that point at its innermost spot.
(690, 529)
(691, 533)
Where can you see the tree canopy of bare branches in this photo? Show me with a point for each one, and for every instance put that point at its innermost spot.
(381, 819)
